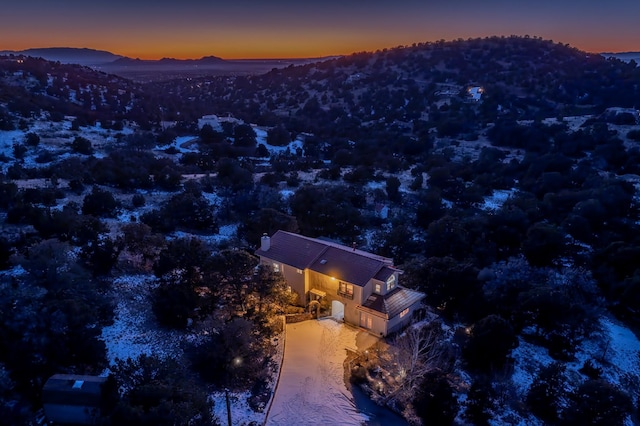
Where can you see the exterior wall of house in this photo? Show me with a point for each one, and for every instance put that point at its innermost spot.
(71, 414)
(397, 323)
(295, 278)
(382, 285)
(331, 286)
(372, 321)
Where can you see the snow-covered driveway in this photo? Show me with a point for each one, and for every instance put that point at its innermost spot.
(311, 389)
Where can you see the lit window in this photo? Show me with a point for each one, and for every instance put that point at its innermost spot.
(404, 313)
(299, 271)
(345, 290)
(276, 267)
(391, 282)
(378, 288)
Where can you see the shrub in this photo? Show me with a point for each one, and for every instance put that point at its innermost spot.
(99, 203)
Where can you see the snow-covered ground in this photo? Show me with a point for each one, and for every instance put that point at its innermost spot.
(496, 199)
(134, 331)
(615, 349)
(311, 389)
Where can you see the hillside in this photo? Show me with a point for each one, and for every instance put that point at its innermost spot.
(68, 55)
(501, 174)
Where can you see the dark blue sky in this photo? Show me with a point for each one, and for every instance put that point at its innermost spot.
(287, 28)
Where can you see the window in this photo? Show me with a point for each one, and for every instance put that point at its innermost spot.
(378, 288)
(366, 321)
(299, 271)
(391, 282)
(276, 267)
(345, 290)
(404, 313)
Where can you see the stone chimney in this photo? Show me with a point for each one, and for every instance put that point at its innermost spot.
(265, 242)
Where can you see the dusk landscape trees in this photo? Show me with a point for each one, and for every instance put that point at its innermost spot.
(516, 215)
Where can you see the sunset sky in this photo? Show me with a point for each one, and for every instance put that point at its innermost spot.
(287, 28)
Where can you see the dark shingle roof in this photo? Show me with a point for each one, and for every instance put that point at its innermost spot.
(394, 302)
(328, 258)
(293, 249)
(384, 273)
(346, 265)
(73, 389)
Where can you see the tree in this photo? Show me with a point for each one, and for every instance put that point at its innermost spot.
(278, 136)
(266, 220)
(393, 186)
(451, 286)
(271, 289)
(480, 404)
(416, 352)
(99, 203)
(186, 256)
(244, 136)
(329, 211)
(32, 139)
(434, 400)
(82, 145)
(208, 135)
(101, 255)
(234, 271)
(490, 342)
(543, 244)
(155, 391)
(233, 356)
(597, 402)
(547, 396)
(174, 301)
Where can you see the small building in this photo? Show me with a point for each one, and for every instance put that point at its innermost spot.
(360, 287)
(216, 121)
(72, 399)
(475, 93)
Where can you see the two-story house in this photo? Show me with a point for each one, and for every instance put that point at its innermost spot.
(362, 288)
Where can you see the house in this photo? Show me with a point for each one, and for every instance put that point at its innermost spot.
(72, 399)
(475, 93)
(360, 287)
(216, 121)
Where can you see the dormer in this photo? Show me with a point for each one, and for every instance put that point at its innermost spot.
(385, 280)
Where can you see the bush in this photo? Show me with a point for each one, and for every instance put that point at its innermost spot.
(634, 135)
(82, 146)
(174, 303)
(32, 139)
(598, 402)
(138, 200)
(99, 203)
(546, 395)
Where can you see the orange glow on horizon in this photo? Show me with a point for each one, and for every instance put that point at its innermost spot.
(276, 50)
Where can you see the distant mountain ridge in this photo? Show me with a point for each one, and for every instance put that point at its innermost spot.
(68, 55)
(93, 57)
(205, 60)
(623, 56)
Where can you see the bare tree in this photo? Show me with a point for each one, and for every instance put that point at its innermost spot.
(419, 350)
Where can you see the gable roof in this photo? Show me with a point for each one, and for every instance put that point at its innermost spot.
(293, 249)
(326, 257)
(393, 302)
